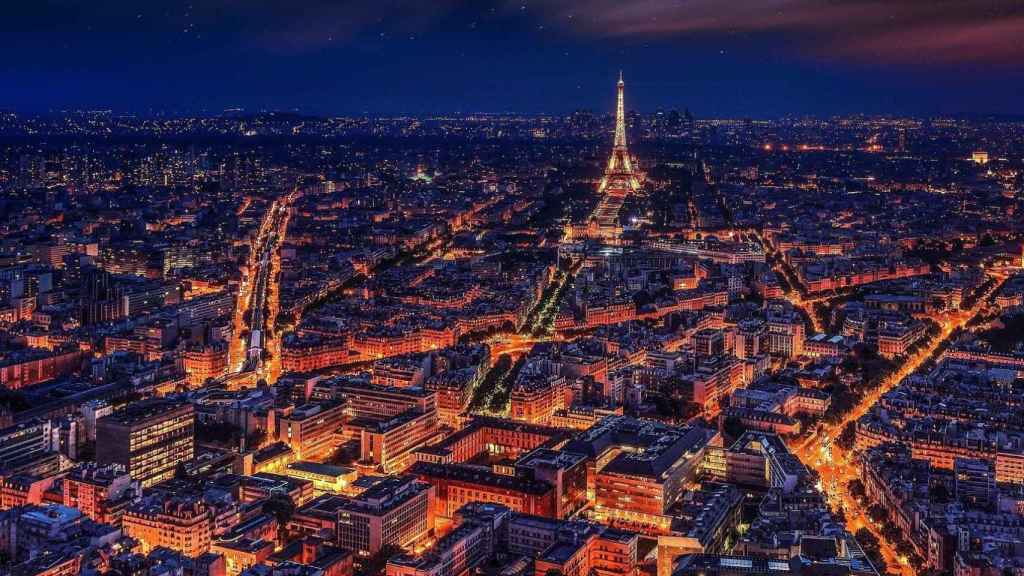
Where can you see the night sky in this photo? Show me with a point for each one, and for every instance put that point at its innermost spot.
(757, 58)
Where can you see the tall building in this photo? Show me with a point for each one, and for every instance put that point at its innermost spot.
(148, 438)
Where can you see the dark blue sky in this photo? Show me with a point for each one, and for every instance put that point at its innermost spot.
(756, 58)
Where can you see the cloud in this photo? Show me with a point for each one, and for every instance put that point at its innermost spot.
(890, 31)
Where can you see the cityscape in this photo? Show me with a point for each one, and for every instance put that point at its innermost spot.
(619, 340)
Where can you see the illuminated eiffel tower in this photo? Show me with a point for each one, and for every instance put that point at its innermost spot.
(619, 177)
(618, 182)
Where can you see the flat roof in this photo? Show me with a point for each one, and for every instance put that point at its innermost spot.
(321, 469)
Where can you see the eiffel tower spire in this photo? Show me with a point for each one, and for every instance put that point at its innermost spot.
(620, 117)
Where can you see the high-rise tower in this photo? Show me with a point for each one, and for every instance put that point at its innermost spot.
(618, 176)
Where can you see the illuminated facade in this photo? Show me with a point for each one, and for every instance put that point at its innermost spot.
(299, 356)
(204, 363)
(388, 446)
(640, 468)
(373, 402)
(325, 478)
(182, 526)
(460, 484)
(397, 511)
(494, 436)
(99, 493)
(536, 400)
(310, 430)
(461, 550)
(148, 438)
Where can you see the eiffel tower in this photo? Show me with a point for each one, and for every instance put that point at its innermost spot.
(619, 178)
(618, 182)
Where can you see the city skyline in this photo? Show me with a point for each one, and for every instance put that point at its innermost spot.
(613, 337)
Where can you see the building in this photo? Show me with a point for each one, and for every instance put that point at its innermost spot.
(975, 483)
(397, 511)
(263, 485)
(149, 439)
(51, 540)
(494, 436)
(184, 525)
(453, 388)
(388, 446)
(325, 477)
(307, 556)
(372, 402)
(458, 552)
(963, 535)
(785, 331)
(34, 365)
(539, 391)
(598, 552)
(242, 553)
(310, 354)
(20, 490)
(310, 429)
(204, 363)
(402, 371)
(248, 544)
(640, 468)
(568, 547)
(459, 484)
(823, 345)
(735, 565)
(101, 493)
(24, 444)
(755, 459)
(715, 378)
(702, 522)
(565, 471)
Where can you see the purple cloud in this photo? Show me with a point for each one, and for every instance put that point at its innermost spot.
(900, 31)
